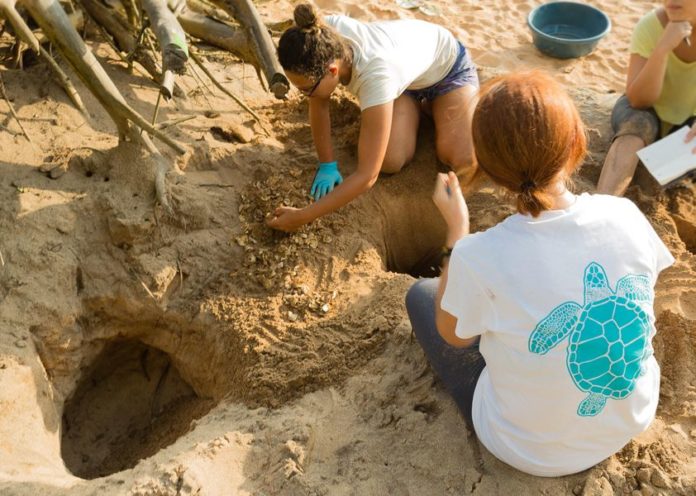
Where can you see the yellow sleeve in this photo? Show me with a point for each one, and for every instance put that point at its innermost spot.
(646, 35)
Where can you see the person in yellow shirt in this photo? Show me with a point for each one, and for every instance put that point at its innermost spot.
(660, 90)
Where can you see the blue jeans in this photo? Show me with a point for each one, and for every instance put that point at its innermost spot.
(457, 368)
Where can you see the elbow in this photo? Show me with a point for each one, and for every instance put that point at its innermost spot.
(445, 328)
(367, 181)
(639, 101)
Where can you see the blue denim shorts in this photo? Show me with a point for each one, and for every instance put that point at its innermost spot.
(644, 123)
(463, 72)
(629, 121)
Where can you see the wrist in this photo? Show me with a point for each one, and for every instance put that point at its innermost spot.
(304, 215)
(661, 50)
(328, 165)
(450, 241)
(454, 235)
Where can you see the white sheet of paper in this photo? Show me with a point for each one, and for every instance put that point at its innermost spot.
(670, 157)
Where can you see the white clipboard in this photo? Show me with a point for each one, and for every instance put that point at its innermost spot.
(669, 158)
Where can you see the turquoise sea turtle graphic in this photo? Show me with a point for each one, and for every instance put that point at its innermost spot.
(608, 333)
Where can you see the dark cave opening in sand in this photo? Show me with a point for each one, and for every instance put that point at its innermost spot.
(130, 403)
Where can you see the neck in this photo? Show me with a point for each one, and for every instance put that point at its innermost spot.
(562, 198)
(345, 70)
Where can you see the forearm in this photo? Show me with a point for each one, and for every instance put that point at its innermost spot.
(644, 90)
(352, 187)
(375, 127)
(320, 122)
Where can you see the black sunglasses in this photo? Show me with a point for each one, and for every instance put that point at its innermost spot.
(313, 88)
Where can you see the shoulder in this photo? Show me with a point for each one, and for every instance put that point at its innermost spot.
(609, 204)
(617, 215)
(648, 27)
(610, 209)
(342, 22)
(334, 19)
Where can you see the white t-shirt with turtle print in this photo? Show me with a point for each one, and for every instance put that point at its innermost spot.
(564, 306)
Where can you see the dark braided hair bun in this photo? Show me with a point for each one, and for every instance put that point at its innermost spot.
(305, 16)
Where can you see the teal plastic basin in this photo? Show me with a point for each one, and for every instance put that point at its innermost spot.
(567, 29)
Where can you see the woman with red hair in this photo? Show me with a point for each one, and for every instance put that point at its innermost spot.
(541, 326)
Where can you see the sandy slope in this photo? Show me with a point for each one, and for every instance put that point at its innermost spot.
(204, 354)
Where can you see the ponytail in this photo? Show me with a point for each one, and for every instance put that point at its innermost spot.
(533, 202)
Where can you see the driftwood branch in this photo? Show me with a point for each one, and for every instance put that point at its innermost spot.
(174, 122)
(206, 8)
(56, 26)
(218, 34)
(170, 35)
(126, 40)
(245, 12)
(8, 11)
(132, 12)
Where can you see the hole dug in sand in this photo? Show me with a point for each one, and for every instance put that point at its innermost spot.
(130, 403)
(413, 232)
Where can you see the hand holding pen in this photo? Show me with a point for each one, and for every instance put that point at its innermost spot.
(674, 34)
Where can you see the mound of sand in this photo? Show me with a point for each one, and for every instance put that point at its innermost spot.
(202, 353)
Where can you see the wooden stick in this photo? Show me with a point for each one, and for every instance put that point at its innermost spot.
(147, 290)
(198, 61)
(162, 166)
(119, 28)
(56, 26)
(245, 12)
(132, 12)
(218, 34)
(174, 122)
(157, 105)
(12, 110)
(167, 86)
(128, 61)
(64, 81)
(7, 10)
(28, 37)
(169, 33)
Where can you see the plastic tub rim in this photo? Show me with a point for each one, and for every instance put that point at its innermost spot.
(567, 41)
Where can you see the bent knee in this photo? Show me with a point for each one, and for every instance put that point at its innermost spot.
(627, 120)
(422, 291)
(457, 157)
(464, 164)
(394, 163)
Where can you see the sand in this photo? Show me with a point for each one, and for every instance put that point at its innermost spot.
(145, 354)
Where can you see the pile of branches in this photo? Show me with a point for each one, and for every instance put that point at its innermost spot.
(155, 35)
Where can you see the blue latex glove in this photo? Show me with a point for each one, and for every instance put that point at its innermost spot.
(326, 178)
